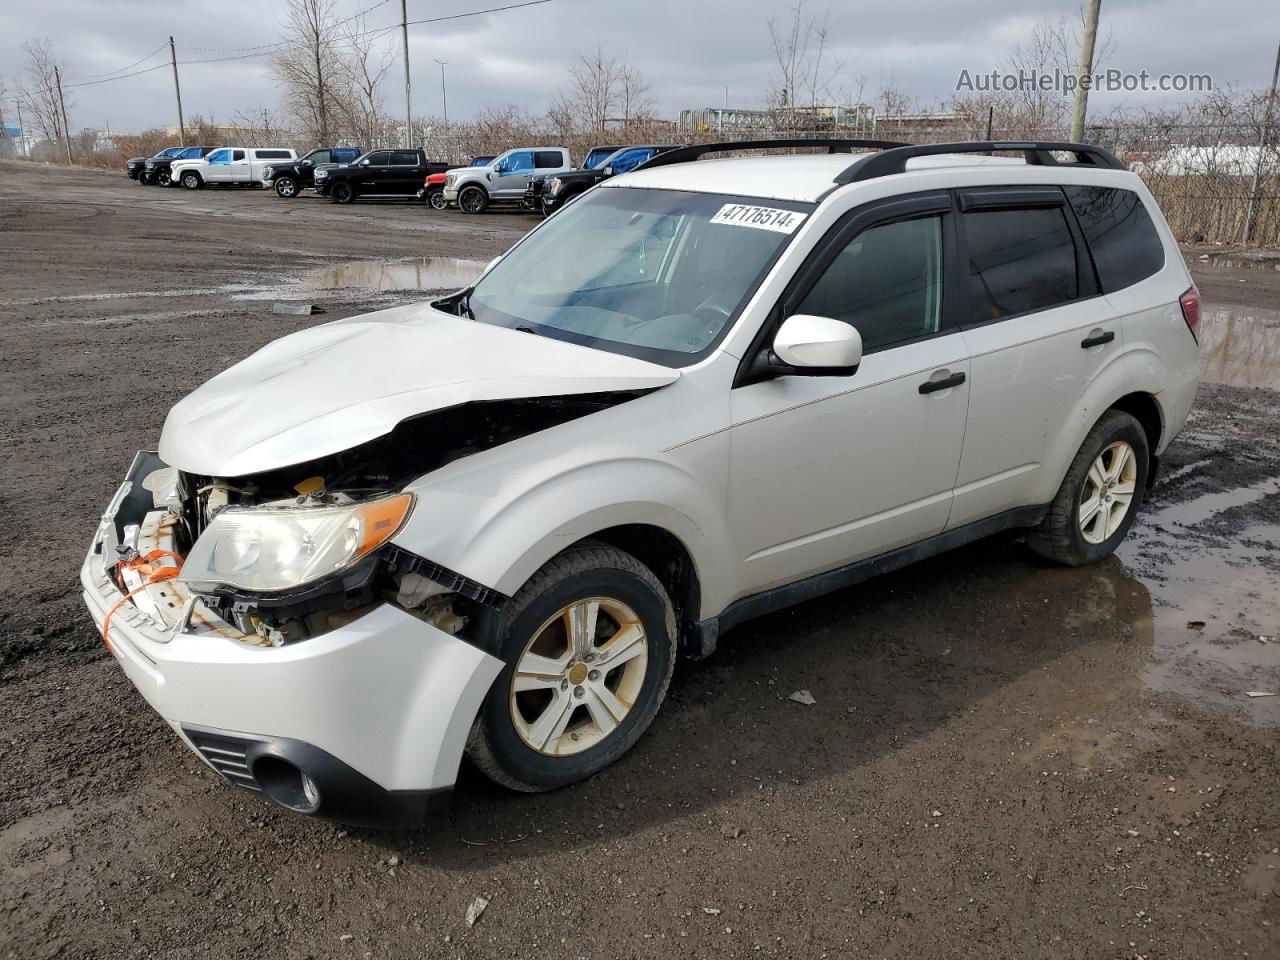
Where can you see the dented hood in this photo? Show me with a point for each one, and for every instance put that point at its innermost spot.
(328, 388)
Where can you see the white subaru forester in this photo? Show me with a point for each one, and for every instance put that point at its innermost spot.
(705, 390)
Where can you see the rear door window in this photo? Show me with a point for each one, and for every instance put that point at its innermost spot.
(1020, 260)
(543, 159)
(1121, 236)
(404, 158)
(238, 155)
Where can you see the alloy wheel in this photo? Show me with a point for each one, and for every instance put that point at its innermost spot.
(579, 676)
(1108, 492)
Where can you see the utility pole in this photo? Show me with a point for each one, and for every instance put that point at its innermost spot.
(1262, 146)
(444, 92)
(22, 134)
(408, 103)
(177, 90)
(1084, 69)
(66, 130)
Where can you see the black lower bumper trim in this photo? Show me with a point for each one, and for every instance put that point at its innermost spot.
(254, 762)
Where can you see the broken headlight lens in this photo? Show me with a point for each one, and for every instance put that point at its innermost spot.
(280, 547)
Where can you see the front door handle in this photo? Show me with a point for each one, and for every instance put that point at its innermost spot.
(945, 383)
(1097, 338)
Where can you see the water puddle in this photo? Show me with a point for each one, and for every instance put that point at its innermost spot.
(1240, 346)
(1214, 582)
(1234, 262)
(422, 273)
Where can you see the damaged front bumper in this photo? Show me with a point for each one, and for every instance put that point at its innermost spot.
(364, 724)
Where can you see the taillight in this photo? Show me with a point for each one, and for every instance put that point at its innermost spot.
(1190, 303)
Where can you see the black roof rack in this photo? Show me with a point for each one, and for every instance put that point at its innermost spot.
(696, 150)
(1036, 152)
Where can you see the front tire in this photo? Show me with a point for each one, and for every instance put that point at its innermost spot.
(1100, 495)
(192, 180)
(286, 188)
(342, 193)
(473, 200)
(164, 178)
(590, 646)
(436, 200)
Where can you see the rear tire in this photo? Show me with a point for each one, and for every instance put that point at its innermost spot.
(594, 713)
(473, 200)
(192, 180)
(342, 193)
(1100, 495)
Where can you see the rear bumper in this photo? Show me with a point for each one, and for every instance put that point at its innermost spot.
(376, 712)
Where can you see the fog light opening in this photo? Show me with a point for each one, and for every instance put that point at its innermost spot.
(286, 784)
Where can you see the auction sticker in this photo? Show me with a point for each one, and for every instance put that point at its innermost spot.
(762, 218)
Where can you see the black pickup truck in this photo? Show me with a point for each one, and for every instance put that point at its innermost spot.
(156, 169)
(595, 157)
(133, 166)
(560, 188)
(379, 173)
(289, 178)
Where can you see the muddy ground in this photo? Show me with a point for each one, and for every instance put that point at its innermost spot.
(1005, 759)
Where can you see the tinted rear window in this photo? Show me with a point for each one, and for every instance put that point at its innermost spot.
(1019, 260)
(1125, 245)
(547, 158)
(403, 158)
(273, 154)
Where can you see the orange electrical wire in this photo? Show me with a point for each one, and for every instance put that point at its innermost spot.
(153, 574)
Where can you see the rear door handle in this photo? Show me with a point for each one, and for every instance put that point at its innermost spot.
(1097, 339)
(945, 383)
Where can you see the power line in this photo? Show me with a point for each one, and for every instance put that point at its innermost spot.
(270, 49)
(130, 66)
(136, 73)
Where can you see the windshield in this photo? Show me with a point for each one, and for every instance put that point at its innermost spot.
(655, 274)
(597, 157)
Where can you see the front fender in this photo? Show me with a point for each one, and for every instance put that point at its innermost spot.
(501, 537)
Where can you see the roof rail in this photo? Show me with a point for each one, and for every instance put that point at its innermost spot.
(695, 150)
(1036, 152)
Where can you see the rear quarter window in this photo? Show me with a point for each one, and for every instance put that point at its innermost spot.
(1121, 236)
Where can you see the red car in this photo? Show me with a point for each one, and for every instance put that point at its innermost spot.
(433, 191)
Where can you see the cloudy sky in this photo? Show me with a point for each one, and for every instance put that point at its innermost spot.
(692, 50)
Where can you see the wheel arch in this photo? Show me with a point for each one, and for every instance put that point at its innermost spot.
(671, 562)
(1144, 408)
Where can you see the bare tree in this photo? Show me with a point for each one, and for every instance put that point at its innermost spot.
(1053, 45)
(39, 90)
(633, 95)
(262, 127)
(364, 68)
(310, 66)
(803, 66)
(593, 88)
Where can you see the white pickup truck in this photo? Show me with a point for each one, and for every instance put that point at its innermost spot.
(243, 165)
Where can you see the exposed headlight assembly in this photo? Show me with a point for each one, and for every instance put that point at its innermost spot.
(554, 185)
(271, 548)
